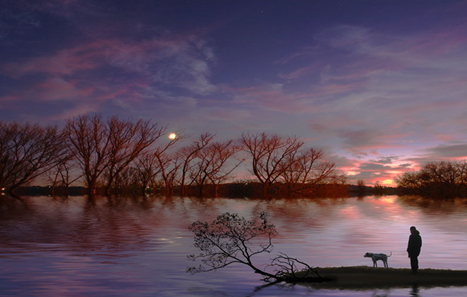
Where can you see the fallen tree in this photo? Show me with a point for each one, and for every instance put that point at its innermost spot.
(231, 239)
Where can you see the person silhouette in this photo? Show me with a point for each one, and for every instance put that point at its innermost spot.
(413, 248)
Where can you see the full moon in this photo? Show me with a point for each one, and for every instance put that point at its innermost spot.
(172, 135)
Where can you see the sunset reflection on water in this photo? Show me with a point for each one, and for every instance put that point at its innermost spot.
(138, 246)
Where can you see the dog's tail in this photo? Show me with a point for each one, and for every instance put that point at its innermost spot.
(390, 254)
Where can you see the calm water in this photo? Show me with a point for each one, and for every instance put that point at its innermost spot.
(138, 247)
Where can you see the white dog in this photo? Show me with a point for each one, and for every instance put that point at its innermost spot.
(376, 257)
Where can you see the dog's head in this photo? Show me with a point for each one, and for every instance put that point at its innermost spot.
(368, 255)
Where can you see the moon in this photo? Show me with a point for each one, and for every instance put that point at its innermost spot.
(172, 136)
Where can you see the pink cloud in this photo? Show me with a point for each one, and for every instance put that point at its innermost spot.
(334, 88)
(434, 43)
(68, 74)
(449, 151)
(113, 94)
(268, 96)
(10, 98)
(59, 89)
(78, 110)
(8, 101)
(382, 170)
(300, 72)
(134, 56)
(64, 62)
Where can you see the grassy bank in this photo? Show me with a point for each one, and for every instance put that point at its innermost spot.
(364, 277)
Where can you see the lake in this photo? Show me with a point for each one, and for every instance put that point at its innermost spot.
(138, 246)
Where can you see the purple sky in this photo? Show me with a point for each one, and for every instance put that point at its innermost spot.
(380, 85)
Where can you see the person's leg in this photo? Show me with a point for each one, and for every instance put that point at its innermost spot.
(414, 264)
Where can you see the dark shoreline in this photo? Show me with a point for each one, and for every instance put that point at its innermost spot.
(229, 190)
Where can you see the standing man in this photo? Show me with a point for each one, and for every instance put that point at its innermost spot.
(415, 244)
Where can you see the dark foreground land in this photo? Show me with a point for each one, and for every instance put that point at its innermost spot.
(364, 277)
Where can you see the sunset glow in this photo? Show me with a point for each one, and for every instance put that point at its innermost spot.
(380, 86)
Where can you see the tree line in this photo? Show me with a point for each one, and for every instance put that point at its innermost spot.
(114, 156)
(437, 179)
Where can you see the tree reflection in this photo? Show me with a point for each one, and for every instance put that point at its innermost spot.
(83, 225)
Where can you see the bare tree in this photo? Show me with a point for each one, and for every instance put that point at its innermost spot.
(26, 152)
(168, 163)
(221, 154)
(187, 154)
(108, 147)
(445, 179)
(63, 174)
(89, 142)
(231, 239)
(169, 166)
(227, 241)
(269, 155)
(306, 169)
(53, 177)
(361, 188)
(462, 172)
(127, 142)
(68, 173)
(128, 180)
(212, 164)
(410, 181)
(147, 168)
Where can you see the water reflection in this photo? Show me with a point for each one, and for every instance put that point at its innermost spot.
(80, 225)
(137, 246)
(384, 293)
(415, 291)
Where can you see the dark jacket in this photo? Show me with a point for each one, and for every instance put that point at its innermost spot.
(415, 244)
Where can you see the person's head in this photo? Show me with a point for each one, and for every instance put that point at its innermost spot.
(412, 229)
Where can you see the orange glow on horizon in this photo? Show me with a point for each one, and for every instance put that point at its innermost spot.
(387, 182)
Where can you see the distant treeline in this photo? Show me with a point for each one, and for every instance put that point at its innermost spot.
(117, 156)
(437, 179)
(237, 189)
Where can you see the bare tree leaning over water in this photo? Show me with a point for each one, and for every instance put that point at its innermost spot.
(231, 239)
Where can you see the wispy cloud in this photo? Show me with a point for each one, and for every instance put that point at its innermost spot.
(65, 62)
(403, 84)
(86, 72)
(75, 111)
(448, 151)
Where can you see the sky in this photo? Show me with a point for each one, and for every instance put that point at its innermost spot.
(379, 85)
